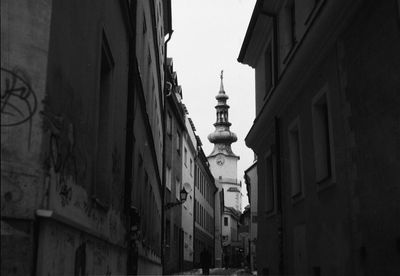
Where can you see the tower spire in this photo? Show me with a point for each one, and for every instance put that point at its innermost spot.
(221, 88)
(222, 137)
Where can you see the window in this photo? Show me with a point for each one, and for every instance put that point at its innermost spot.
(167, 233)
(185, 156)
(198, 212)
(168, 178)
(196, 176)
(195, 210)
(178, 142)
(144, 24)
(295, 159)
(322, 138)
(177, 188)
(149, 57)
(191, 167)
(169, 124)
(102, 181)
(268, 70)
(225, 221)
(269, 185)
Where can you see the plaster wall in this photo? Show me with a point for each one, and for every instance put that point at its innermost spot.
(25, 33)
(173, 160)
(188, 173)
(65, 251)
(71, 122)
(150, 55)
(345, 226)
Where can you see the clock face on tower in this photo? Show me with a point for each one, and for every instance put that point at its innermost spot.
(220, 160)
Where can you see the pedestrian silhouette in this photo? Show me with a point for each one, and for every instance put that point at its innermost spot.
(205, 259)
(226, 258)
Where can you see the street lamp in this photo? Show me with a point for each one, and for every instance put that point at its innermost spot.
(182, 196)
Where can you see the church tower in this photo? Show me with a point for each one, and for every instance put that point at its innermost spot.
(222, 160)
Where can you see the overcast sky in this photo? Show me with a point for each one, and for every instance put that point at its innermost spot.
(207, 38)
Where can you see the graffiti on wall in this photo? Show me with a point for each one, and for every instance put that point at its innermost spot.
(18, 100)
(64, 157)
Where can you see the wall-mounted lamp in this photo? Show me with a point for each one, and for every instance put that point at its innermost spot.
(182, 196)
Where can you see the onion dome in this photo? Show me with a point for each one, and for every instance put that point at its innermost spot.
(222, 137)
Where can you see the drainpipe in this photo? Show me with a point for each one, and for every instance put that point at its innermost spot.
(163, 181)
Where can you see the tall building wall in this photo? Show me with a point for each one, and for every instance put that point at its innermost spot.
(188, 178)
(25, 36)
(175, 130)
(69, 75)
(204, 210)
(77, 207)
(331, 219)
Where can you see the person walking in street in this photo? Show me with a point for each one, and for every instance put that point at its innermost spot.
(226, 260)
(205, 260)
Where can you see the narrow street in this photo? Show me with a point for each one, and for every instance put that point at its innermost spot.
(217, 271)
(155, 137)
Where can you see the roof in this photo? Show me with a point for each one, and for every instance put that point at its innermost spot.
(260, 22)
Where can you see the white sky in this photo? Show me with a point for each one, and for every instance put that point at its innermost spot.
(207, 38)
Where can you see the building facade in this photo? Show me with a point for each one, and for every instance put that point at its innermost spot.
(204, 208)
(219, 203)
(81, 154)
(188, 176)
(152, 25)
(252, 194)
(175, 129)
(244, 236)
(326, 135)
(232, 245)
(62, 191)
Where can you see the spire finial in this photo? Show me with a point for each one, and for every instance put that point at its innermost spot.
(221, 89)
